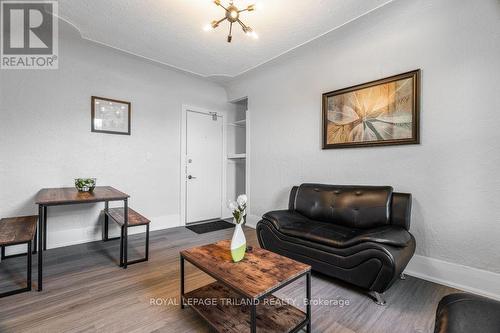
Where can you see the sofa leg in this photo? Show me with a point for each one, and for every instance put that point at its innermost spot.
(402, 276)
(377, 297)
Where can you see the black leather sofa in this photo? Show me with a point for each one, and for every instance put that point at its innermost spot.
(466, 313)
(357, 234)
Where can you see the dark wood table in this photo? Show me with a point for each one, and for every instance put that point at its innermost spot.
(70, 196)
(243, 291)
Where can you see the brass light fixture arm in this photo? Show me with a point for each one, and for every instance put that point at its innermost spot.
(245, 28)
(220, 5)
(249, 8)
(230, 37)
(221, 20)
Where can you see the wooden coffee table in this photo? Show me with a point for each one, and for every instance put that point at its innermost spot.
(241, 300)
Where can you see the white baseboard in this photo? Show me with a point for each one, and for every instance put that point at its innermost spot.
(473, 280)
(165, 222)
(157, 223)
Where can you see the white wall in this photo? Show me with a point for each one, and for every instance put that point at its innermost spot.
(45, 138)
(453, 175)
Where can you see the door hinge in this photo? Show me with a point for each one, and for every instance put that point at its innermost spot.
(214, 115)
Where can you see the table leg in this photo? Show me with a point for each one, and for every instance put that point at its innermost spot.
(121, 246)
(147, 242)
(35, 241)
(40, 246)
(125, 233)
(308, 306)
(105, 227)
(45, 228)
(29, 254)
(182, 283)
(253, 318)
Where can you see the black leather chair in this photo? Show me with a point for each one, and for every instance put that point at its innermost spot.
(466, 313)
(357, 234)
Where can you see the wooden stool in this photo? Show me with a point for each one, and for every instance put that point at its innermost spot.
(15, 231)
(134, 220)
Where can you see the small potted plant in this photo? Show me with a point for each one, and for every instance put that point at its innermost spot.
(85, 184)
(238, 242)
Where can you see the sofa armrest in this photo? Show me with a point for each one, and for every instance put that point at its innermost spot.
(401, 210)
(291, 200)
(465, 313)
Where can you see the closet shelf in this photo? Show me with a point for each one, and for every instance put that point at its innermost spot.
(239, 123)
(236, 156)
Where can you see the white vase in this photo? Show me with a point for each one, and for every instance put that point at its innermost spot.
(238, 244)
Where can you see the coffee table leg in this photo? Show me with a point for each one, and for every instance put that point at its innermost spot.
(182, 283)
(45, 228)
(253, 318)
(40, 246)
(105, 227)
(29, 254)
(125, 233)
(308, 306)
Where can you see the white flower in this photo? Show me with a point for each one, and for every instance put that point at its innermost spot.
(242, 200)
(232, 205)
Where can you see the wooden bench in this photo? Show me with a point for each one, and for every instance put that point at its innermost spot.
(16, 231)
(134, 220)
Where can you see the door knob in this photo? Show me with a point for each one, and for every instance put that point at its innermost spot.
(191, 177)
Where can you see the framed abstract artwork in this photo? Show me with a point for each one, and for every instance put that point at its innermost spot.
(378, 113)
(110, 116)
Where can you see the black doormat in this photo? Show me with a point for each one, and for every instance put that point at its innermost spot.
(210, 226)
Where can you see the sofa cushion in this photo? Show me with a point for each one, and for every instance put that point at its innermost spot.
(296, 225)
(350, 206)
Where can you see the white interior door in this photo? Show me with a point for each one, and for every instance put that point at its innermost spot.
(204, 149)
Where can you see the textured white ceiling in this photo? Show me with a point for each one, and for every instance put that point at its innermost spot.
(171, 31)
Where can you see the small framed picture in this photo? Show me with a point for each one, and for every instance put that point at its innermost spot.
(110, 116)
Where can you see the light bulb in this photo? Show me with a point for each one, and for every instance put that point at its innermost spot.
(208, 27)
(251, 33)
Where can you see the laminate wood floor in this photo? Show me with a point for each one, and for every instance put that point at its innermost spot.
(85, 291)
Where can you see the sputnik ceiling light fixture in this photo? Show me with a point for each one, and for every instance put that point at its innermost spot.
(232, 15)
